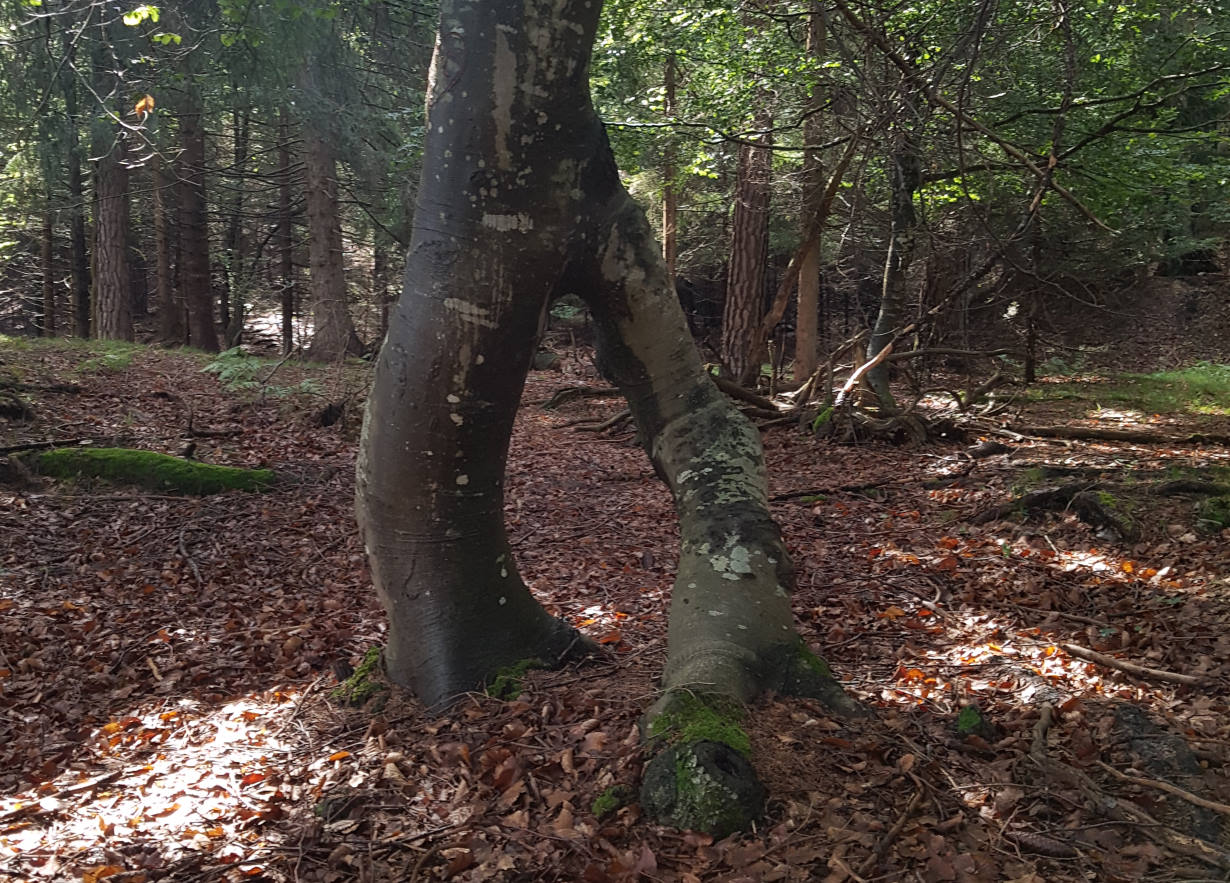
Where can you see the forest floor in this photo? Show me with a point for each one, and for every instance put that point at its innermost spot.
(166, 662)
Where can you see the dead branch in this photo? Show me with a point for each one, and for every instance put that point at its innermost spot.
(1136, 436)
(735, 391)
(1168, 788)
(1131, 668)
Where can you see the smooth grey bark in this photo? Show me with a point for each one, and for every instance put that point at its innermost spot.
(520, 202)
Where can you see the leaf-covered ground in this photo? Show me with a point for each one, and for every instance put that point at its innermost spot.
(166, 662)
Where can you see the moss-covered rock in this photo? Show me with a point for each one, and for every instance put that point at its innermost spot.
(362, 684)
(507, 682)
(148, 469)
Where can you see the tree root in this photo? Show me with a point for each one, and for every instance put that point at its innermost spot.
(571, 393)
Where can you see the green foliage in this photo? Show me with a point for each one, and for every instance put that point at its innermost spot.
(693, 717)
(507, 682)
(822, 419)
(239, 372)
(1203, 388)
(148, 469)
(114, 358)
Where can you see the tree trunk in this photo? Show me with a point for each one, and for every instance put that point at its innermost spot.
(512, 212)
(806, 343)
(670, 171)
(112, 307)
(47, 322)
(286, 242)
(194, 275)
(233, 302)
(906, 175)
(333, 335)
(749, 250)
(170, 305)
(80, 260)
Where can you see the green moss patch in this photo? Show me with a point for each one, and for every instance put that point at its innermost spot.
(148, 469)
(689, 718)
(362, 685)
(1214, 513)
(507, 682)
(611, 800)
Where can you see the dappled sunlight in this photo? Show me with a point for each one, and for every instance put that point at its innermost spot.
(169, 780)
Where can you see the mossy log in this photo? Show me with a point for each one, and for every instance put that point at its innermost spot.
(148, 469)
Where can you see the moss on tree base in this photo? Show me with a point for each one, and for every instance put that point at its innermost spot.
(148, 469)
(507, 682)
(362, 684)
(703, 786)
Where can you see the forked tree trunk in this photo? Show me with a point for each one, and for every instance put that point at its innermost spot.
(194, 273)
(334, 335)
(749, 253)
(520, 202)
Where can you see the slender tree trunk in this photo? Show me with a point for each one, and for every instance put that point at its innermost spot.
(670, 172)
(171, 328)
(333, 336)
(194, 275)
(806, 344)
(112, 306)
(905, 175)
(233, 306)
(80, 256)
(47, 322)
(511, 212)
(286, 242)
(749, 251)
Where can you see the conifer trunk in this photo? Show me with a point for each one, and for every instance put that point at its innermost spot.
(194, 274)
(749, 250)
(334, 334)
(286, 244)
(112, 296)
(47, 322)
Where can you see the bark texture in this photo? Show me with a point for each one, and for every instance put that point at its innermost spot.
(806, 338)
(194, 273)
(285, 235)
(171, 324)
(334, 334)
(749, 249)
(112, 301)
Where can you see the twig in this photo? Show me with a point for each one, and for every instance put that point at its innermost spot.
(38, 446)
(1131, 668)
(1168, 788)
(891, 836)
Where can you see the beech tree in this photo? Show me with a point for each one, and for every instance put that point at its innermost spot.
(520, 202)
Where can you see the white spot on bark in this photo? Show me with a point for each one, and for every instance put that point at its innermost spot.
(503, 600)
(504, 82)
(452, 399)
(521, 222)
(479, 359)
(717, 612)
(503, 573)
(457, 418)
(469, 312)
(462, 479)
